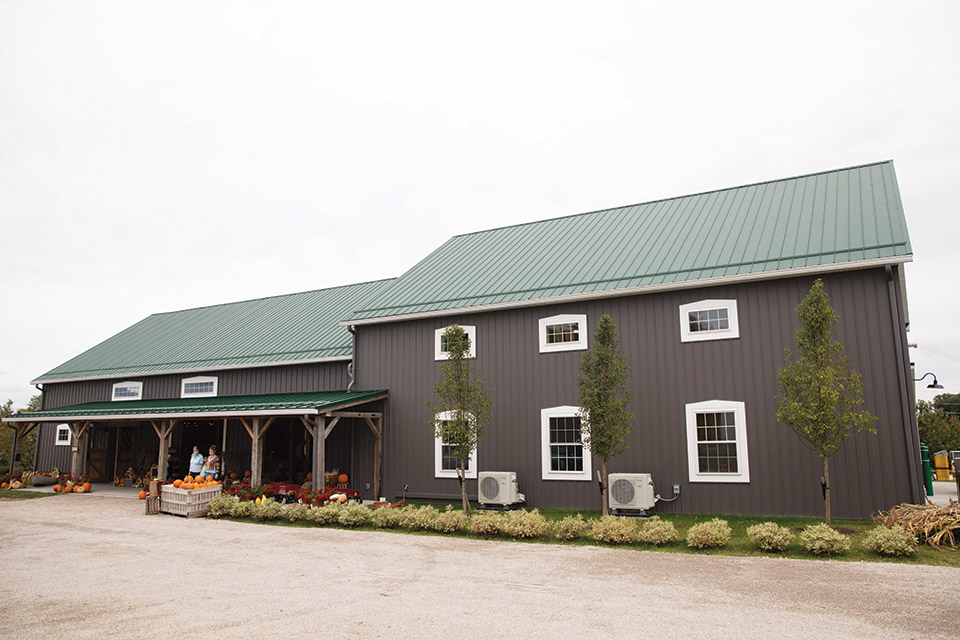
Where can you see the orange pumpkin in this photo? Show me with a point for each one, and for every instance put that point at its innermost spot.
(247, 473)
(86, 487)
(57, 488)
(3, 485)
(177, 484)
(342, 478)
(143, 494)
(233, 476)
(188, 478)
(187, 485)
(309, 476)
(68, 489)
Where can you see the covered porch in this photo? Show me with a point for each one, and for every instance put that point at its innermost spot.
(302, 422)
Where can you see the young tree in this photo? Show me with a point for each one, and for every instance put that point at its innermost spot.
(939, 430)
(819, 394)
(463, 396)
(604, 398)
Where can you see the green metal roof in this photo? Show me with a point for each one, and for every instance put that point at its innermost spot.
(287, 328)
(811, 221)
(275, 404)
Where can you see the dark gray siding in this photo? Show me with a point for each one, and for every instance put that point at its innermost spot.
(50, 455)
(870, 472)
(325, 376)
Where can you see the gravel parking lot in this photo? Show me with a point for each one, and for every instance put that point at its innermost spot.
(97, 567)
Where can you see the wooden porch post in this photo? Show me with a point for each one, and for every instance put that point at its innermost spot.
(377, 430)
(77, 452)
(319, 452)
(164, 431)
(15, 448)
(255, 456)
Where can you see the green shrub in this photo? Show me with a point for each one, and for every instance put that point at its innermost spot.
(709, 535)
(418, 518)
(296, 512)
(821, 540)
(890, 541)
(242, 509)
(614, 530)
(267, 510)
(524, 524)
(353, 514)
(385, 518)
(657, 532)
(450, 521)
(327, 514)
(485, 523)
(769, 536)
(222, 505)
(571, 528)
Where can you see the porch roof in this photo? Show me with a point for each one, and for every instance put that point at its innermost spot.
(278, 404)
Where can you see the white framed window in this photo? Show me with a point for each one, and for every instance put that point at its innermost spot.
(127, 390)
(717, 441)
(64, 437)
(198, 387)
(440, 344)
(566, 332)
(445, 465)
(564, 455)
(709, 320)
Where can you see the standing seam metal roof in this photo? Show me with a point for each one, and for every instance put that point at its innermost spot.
(827, 218)
(287, 328)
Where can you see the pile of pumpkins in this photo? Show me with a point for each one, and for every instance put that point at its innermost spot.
(71, 487)
(197, 482)
(13, 484)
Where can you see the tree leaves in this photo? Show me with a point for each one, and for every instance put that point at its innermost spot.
(604, 395)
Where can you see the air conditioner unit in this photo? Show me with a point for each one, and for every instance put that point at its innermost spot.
(630, 491)
(498, 488)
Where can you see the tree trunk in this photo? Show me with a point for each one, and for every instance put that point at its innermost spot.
(603, 483)
(463, 488)
(826, 492)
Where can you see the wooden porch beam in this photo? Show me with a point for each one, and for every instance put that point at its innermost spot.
(377, 456)
(356, 414)
(246, 426)
(153, 423)
(307, 424)
(373, 427)
(256, 454)
(319, 452)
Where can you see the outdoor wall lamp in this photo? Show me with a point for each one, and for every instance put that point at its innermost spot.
(934, 385)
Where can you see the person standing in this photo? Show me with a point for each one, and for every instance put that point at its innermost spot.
(211, 466)
(196, 461)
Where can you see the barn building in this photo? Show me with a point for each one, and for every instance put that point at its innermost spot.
(703, 289)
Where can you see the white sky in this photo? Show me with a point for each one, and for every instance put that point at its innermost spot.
(160, 156)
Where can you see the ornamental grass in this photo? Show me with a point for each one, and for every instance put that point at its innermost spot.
(709, 535)
(936, 525)
(890, 541)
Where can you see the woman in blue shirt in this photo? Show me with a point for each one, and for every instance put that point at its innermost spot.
(196, 461)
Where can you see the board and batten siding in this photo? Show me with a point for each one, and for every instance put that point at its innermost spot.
(321, 376)
(870, 472)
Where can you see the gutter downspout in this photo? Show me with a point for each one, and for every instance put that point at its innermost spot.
(351, 368)
(910, 434)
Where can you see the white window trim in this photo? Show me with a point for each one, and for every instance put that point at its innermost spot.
(443, 355)
(703, 305)
(60, 429)
(561, 412)
(438, 470)
(738, 408)
(183, 387)
(579, 345)
(138, 385)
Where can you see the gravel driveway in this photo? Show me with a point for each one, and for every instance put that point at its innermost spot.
(96, 567)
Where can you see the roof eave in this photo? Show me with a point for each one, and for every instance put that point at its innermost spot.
(854, 265)
(167, 372)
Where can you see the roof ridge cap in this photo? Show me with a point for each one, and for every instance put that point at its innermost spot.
(279, 295)
(686, 195)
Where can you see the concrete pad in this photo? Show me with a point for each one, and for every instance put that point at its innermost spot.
(944, 492)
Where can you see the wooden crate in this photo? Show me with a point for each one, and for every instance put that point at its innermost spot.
(188, 503)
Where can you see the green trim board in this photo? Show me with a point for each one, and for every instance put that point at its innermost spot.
(310, 403)
(288, 329)
(842, 219)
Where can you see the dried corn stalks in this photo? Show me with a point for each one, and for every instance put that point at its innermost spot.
(937, 525)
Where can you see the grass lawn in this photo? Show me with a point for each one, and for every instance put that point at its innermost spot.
(739, 544)
(22, 494)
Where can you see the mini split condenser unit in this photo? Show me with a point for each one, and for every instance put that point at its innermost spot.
(633, 491)
(498, 488)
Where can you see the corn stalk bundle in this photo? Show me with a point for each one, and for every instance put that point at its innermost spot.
(937, 525)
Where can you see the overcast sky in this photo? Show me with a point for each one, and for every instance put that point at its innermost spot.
(161, 156)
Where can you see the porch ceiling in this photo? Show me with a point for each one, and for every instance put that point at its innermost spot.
(279, 404)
